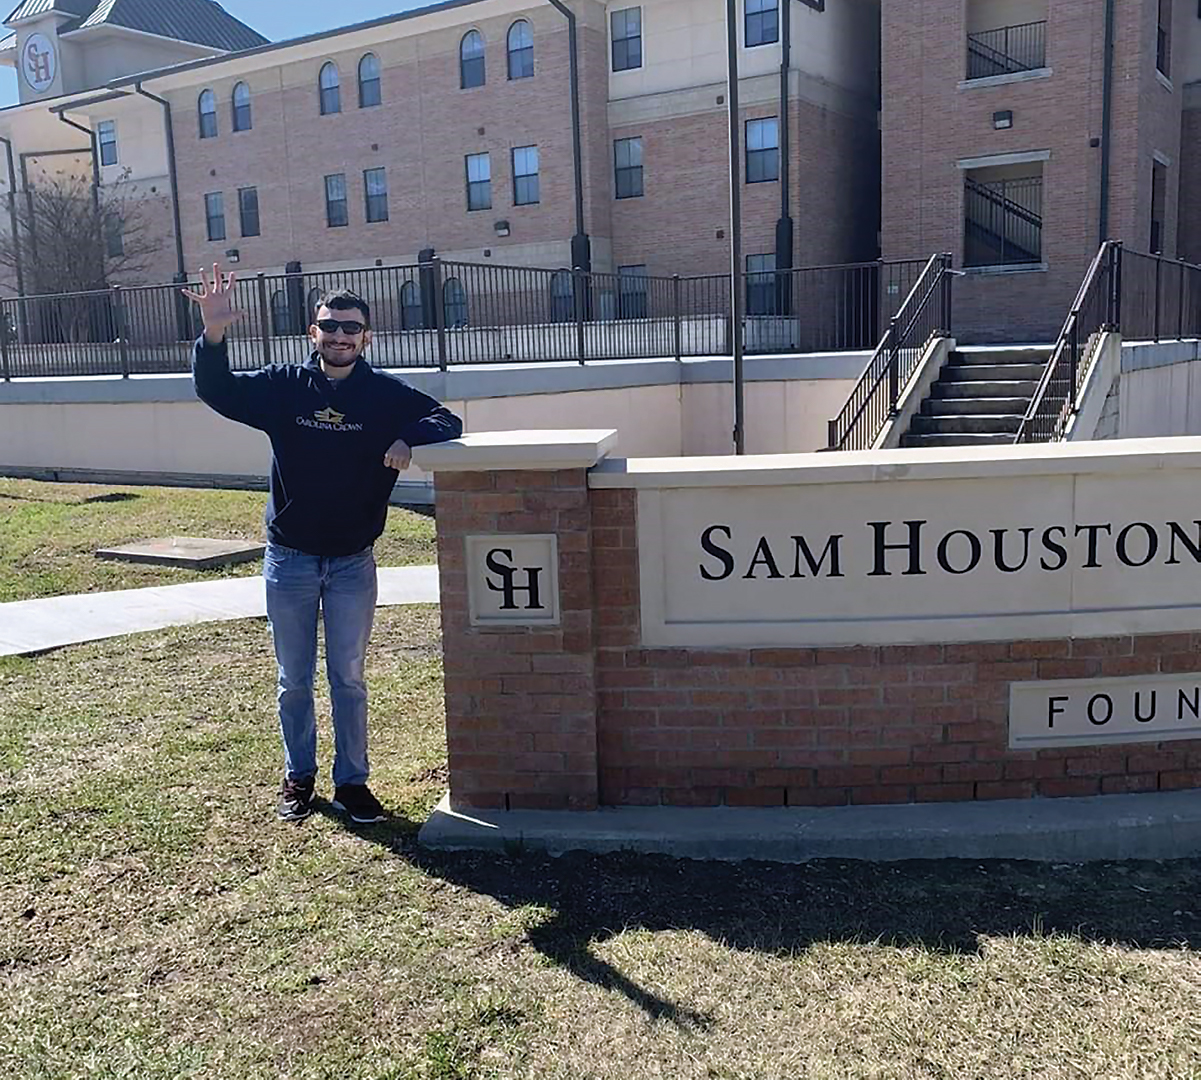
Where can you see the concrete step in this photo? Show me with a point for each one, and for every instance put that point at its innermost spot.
(973, 424)
(910, 439)
(1031, 354)
(991, 372)
(992, 406)
(999, 388)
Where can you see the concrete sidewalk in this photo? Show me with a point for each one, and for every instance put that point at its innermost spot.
(31, 626)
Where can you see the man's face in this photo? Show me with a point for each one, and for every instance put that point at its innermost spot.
(337, 347)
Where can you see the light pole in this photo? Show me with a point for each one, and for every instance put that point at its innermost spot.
(736, 305)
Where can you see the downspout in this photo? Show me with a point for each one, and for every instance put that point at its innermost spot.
(581, 248)
(173, 176)
(95, 159)
(1106, 121)
(784, 225)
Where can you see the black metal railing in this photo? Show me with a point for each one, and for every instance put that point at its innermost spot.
(1003, 221)
(1097, 308)
(924, 316)
(1160, 298)
(438, 314)
(1007, 50)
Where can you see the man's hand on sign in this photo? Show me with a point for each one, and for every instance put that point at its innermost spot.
(398, 456)
(216, 302)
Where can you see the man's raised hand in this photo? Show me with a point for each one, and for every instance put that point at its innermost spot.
(216, 302)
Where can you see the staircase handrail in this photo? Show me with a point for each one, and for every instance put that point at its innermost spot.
(1008, 205)
(884, 362)
(999, 56)
(1064, 361)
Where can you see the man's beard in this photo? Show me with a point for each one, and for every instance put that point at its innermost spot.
(339, 358)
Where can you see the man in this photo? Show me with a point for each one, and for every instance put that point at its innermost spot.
(339, 432)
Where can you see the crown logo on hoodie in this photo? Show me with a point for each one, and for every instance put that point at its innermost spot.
(328, 416)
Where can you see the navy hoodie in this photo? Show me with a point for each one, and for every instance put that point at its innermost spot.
(329, 484)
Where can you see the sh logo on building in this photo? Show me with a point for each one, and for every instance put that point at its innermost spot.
(513, 580)
(39, 62)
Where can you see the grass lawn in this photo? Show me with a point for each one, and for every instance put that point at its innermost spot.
(156, 921)
(48, 533)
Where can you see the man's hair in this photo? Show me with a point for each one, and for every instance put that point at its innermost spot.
(344, 300)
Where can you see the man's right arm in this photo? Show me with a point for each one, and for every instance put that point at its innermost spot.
(244, 396)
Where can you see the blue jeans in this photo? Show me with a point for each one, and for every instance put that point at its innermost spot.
(344, 588)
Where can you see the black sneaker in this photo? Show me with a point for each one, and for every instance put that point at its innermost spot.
(295, 799)
(359, 803)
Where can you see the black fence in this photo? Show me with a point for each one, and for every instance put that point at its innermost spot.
(924, 316)
(1142, 297)
(439, 314)
(1007, 50)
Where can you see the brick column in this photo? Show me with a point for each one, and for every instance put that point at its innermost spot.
(520, 699)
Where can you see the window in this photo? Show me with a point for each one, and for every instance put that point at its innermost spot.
(242, 117)
(1159, 193)
(369, 84)
(281, 314)
(760, 284)
(375, 183)
(479, 182)
(454, 304)
(1003, 222)
(525, 175)
(471, 60)
(214, 212)
(336, 213)
(106, 137)
(627, 38)
(208, 115)
(1163, 38)
(521, 50)
(762, 22)
(114, 238)
(562, 297)
(627, 158)
(631, 292)
(331, 90)
(412, 312)
(248, 210)
(762, 150)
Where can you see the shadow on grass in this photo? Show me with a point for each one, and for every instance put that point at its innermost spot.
(940, 905)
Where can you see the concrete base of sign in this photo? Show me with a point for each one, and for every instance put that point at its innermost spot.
(1156, 825)
(186, 552)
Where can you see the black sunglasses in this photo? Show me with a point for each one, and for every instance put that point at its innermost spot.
(351, 326)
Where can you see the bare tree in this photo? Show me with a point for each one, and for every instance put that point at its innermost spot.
(72, 238)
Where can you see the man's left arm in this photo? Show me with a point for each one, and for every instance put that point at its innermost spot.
(425, 421)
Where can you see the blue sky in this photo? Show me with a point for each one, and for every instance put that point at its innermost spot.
(277, 19)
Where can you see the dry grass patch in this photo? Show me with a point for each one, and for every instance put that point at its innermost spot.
(49, 532)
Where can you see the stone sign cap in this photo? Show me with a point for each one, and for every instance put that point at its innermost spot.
(490, 451)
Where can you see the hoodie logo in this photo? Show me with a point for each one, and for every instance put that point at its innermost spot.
(328, 419)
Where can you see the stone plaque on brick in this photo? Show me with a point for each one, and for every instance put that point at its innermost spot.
(1092, 712)
(513, 580)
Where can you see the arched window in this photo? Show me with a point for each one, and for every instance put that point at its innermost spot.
(242, 116)
(208, 115)
(281, 314)
(454, 304)
(331, 89)
(562, 299)
(521, 50)
(412, 313)
(471, 60)
(369, 85)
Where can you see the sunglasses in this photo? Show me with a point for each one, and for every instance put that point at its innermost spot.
(351, 326)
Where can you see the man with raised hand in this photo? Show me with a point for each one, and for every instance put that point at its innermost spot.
(339, 431)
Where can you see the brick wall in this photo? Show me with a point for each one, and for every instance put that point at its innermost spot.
(520, 703)
(535, 718)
